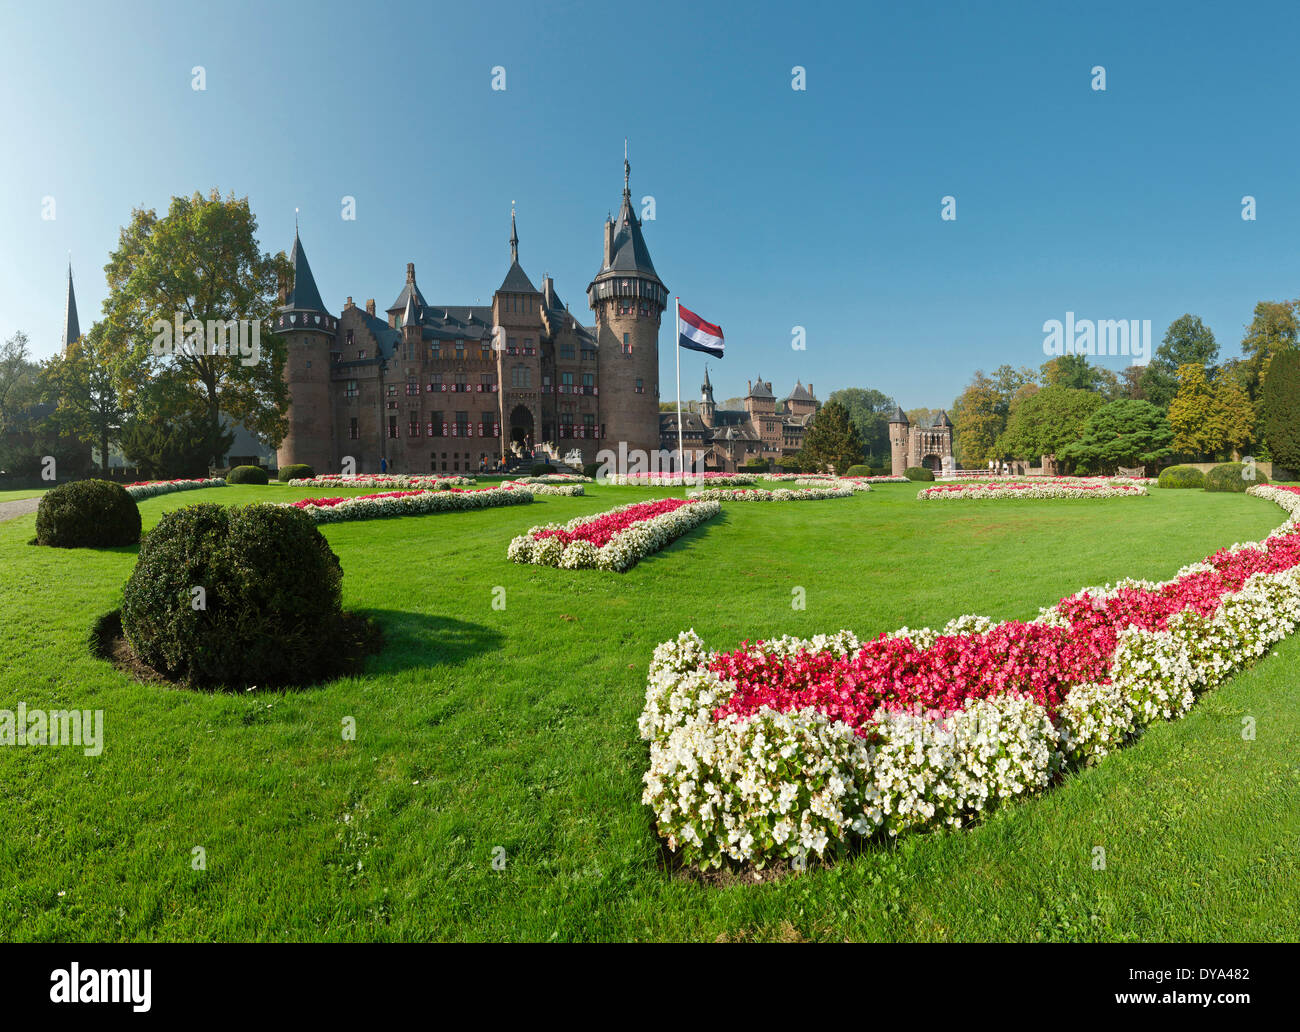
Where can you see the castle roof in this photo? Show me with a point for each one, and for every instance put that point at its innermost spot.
(899, 415)
(517, 281)
(71, 327)
(942, 419)
(303, 297)
(409, 289)
(800, 393)
(759, 389)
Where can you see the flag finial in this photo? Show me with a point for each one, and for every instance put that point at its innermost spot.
(627, 169)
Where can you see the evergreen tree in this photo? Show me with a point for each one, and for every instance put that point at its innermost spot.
(1280, 422)
(833, 439)
(1126, 432)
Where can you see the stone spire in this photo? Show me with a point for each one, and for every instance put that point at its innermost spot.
(71, 327)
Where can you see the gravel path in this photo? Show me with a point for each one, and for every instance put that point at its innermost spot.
(12, 510)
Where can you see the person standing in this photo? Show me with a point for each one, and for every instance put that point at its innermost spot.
(383, 464)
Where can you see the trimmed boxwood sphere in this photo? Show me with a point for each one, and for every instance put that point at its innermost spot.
(247, 475)
(1226, 476)
(87, 514)
(858, 471)
(295, 471)
(918, 473)
(1181, 476)
(271, 592)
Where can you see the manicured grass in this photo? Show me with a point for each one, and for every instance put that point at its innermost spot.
(17, 494)
(479, 727)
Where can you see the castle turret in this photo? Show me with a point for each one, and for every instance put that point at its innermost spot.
(308, 330)
(899, 433)
(629, 299)
(708, 409)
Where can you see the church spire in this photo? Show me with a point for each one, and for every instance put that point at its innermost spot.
(71, 327)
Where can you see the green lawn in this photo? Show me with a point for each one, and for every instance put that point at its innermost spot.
(479, 728)
(19, 493)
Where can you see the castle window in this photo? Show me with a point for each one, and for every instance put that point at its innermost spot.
(361, 353)
(460, 350)
(640, 386)
(348, 339)
(566, 350)
(413, 427)
(435, 383)
(436, 427)
(588, 353)
(512, 346)
(485, 351)
(392, 426)
(435, 351)
(528, 346)
(412, 387)
(627, 344)
(625, 308)
(351, 390)
(521, 376)
(336, 356)
(354, 431)
(392, 390)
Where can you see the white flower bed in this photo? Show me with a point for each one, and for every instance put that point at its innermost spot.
(781, 494)
(1034, 491)
(385, 481)
(775, 786)
(414, 505)
(555, 478)
(624, 549)
(540, 488)
(854, 485)
(158, 487)
(676, 479)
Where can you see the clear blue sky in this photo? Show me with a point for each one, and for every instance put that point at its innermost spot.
(776, 208)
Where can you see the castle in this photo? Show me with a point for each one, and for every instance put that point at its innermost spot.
(928, 445)
(448, 388)
(725, 439)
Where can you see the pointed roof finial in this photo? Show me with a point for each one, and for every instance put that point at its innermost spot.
(627, 170)
(514, 235)
(71, 327)
(295, 221)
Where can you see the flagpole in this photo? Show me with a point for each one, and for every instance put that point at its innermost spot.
(677, 347)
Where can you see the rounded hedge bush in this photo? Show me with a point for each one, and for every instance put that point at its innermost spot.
(541, 469)
(269, 610)
(918, 473)
(858, 471)
(1227, 476)
(1181, 476)
(293, 471)
(87, 514)
(247, 475)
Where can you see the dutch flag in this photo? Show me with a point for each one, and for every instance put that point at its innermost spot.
(696, 334)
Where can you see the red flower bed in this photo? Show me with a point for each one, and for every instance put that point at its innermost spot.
(601, 529)
(1036, 659)
(329, 503)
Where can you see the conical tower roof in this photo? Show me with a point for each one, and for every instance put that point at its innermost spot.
(304, 297)
(71, 327)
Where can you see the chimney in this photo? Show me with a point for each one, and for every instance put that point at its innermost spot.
(810, 390)
(410, 272)
(349, 303)
(370, 306)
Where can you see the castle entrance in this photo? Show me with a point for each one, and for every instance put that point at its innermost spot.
(521, 425)
(933, 463)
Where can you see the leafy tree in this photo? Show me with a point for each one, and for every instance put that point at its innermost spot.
(1275, 328)
(978, 418)
(1126, 432)
(82, 384)
(1233, 416)
(833, 439)
(1074, 371)
(917, 416)
(1187, 341)
(1210, 416)
(1280, 411)
(17, 379)
(870, 411)
(201, 261)
(1044, 422)
(169, 435)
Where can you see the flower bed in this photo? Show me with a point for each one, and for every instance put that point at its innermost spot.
(409, 503)
(781, 494)
(1047, 489)
(614, 540)
(539, 488)
(676, 479)
(794, 747)
(149, 488)
(555, 478)
(391, 481)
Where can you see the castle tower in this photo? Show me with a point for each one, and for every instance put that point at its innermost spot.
(527, 401)
(629, 299)
(707, 407)
(71, 328)
(899, 432)
(308, 331)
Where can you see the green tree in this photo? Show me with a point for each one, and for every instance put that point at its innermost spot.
(1126, 432)
(201, 261)
(1046, 421)
(1076, 372)
(82, 384)
(168, 434)
(1275, 328)
(832, 440)
(1189, 411)
(1187, 341)
(870, 411)
(978, 418)
(17, 379)
(1280, 410)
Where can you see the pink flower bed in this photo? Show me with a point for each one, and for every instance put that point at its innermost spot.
(1037, 660)
(599, 530)
(329, 503)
